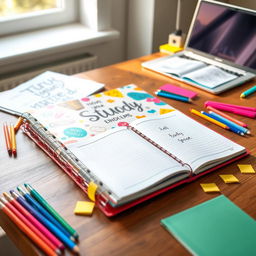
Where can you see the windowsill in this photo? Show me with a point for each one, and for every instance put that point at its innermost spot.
(57, 40)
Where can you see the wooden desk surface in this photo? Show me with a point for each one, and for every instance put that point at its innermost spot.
(136, 231)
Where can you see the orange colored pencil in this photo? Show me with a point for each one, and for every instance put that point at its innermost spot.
(18, 124)
(7, 139)
(27, 230)
(13, 141)
(226, 116)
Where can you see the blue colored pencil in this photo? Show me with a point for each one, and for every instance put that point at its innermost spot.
(172, 96)
(248, 92)
(42, 210)
(231, 128)
(230, 123)
(62, 237)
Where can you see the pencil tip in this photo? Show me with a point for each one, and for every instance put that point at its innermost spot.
(76, 249)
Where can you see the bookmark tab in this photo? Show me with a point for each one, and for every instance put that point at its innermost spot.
(84, 208)
(92, 188)
(229, 178)
(246, 168)
(210, 187)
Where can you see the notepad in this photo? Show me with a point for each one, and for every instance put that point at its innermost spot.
(215, 227)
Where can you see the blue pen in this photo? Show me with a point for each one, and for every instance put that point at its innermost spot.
(69, 243)
(42, 210)
(172, 96)
(230, 123)
(231, 128)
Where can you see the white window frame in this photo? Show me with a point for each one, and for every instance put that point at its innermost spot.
(68, 13)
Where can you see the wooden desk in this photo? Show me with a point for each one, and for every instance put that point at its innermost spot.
(136, 231)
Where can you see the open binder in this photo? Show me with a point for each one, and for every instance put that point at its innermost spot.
(82, 175)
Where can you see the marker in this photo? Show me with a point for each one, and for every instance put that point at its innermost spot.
(41, 209)
(212, 120)
(51, 210)
(62, 237)
(248, 92)
(172, 96)
(19, 220)
(34, 222)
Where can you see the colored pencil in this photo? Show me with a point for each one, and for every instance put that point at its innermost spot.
(34, 222)
(51, 210)
(193, 111)
(7, 139)
(227, 116)
(43, 211)
(62, 237)
(18, 124)
(17, 219)
(13, 141)
(230, 127)
(248, 92)
(172, 96)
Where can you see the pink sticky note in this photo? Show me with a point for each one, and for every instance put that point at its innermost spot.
(178, 90)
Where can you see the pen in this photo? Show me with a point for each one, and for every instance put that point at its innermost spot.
(172, 96)
(50, 209)
(34, 221)
(16, 217)
(193, 111)
(44, 212)
(62, 237)
(230, 127)
(226, 116)
(248, 92)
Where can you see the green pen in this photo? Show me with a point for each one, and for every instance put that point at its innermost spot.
(248, 92)
(49, 208)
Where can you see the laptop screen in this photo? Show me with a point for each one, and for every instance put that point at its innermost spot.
(225, 32)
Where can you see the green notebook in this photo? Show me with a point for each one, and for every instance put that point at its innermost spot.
(215, 227)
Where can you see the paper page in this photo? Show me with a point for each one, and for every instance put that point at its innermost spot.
(176, 65)
(188, 140)
(210, 76)
(125, 162)
(46, 89)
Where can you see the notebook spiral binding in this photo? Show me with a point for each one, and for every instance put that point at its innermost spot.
(161, 148)
(58, 152)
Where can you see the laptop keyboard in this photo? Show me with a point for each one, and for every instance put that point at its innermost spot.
(224, 69)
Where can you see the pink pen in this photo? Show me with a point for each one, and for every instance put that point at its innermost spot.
(214, 103)
(237, 111)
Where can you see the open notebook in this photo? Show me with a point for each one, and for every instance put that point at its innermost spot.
(150, 154)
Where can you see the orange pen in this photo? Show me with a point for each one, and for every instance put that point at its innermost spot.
(23, 227)
(7, 139)
(226, 116)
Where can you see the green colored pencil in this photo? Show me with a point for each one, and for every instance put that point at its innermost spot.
(248, 92)
(49, 208)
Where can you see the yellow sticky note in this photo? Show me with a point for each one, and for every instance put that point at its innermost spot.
(210, 187)
(92, 188)
(246, 168)
(229, 178)
(84, 208)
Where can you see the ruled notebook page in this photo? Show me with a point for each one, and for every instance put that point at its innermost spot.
(188, 140)
(125, 162)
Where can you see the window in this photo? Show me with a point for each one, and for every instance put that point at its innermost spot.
(19, 15)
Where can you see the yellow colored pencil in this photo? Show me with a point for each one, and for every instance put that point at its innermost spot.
(193, 111)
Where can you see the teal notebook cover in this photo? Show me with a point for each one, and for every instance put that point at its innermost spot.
(215, 227)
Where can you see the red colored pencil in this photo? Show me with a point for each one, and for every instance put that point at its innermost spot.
(26, 226)
(56, 244)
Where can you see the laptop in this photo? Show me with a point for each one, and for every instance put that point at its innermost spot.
(221, 35)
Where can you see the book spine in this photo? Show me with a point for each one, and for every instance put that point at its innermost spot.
(59, 153)
(160, 148)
